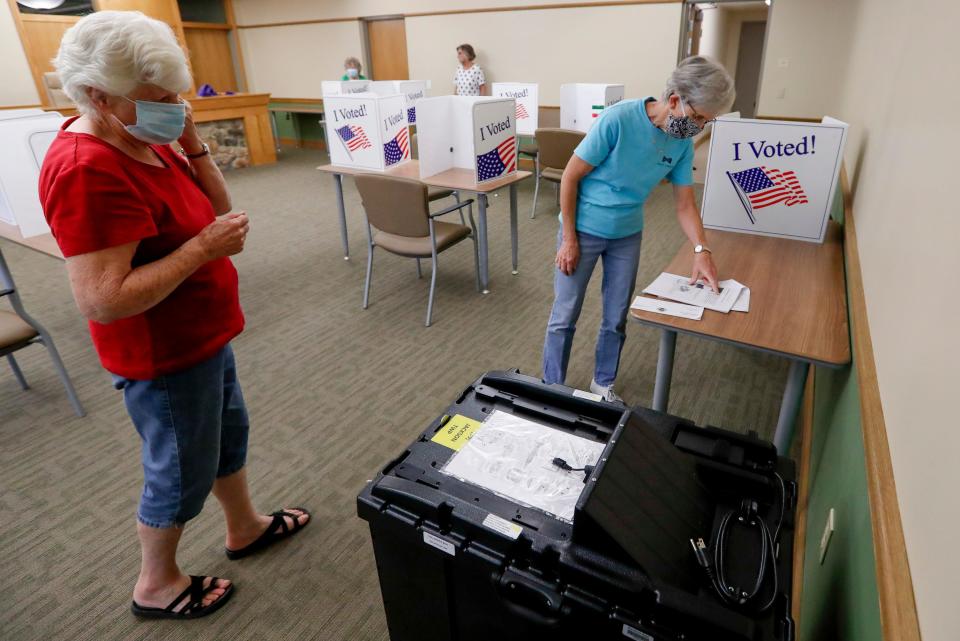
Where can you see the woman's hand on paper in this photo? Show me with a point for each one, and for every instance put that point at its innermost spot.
(704, 269)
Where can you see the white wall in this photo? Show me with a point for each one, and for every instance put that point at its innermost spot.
(16, 81)
(633, 44)
(888, 67)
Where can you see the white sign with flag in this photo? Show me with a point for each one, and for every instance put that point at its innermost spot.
(773, 178)
(468, 132)
(528, 103)
(367, 131)
(412, 91)
(581, 103)
(341, 87)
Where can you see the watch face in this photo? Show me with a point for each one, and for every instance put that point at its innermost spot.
(698, 249)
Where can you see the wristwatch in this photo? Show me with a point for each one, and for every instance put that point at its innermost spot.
(204, 150)
(699, 249)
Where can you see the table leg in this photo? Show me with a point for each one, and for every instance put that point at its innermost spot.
(792, 395)
(338, 185)
(275, 130)
(661, 388)
(514, 239)
(482, 241)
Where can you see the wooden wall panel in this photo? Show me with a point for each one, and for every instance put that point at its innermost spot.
(211, 59)
(388, 49)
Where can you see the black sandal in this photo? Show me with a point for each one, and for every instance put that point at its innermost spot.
(271, 536)
(192, 610)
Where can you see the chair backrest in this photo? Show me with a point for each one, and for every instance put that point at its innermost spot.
(395, 205)
(6, 278)
(556, 146)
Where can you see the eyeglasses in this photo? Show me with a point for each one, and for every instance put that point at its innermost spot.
(700, 120)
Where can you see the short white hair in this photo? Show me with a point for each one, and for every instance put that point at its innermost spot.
(702, 82)
(115, 51)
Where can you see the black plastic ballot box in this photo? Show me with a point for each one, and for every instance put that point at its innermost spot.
(460, 561)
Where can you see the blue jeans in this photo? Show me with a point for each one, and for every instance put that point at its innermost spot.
(621, 257)
(194, 427)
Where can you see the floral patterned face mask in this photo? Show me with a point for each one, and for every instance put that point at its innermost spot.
(683, 126)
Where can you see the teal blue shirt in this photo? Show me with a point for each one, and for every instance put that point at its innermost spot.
(630, 157)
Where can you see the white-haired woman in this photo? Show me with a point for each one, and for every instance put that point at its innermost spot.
(147, 237)
(352, 69)
(632, 147)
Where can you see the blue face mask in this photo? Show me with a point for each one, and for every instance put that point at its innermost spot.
(158, 123)
(353, 73)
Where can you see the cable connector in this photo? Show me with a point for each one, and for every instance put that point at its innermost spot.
(700, 551)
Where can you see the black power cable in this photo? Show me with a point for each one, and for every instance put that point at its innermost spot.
(769, 551)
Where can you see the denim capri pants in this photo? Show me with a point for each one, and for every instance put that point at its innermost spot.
(194, 427)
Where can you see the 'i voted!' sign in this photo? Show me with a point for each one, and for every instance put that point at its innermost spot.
(773, 178)
(495, 139)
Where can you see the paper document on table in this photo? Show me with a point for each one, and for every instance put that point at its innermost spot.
(668, 308)
(743, 300)
(678, 288)
(513, 457)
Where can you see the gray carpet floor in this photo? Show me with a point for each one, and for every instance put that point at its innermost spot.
(333, 391)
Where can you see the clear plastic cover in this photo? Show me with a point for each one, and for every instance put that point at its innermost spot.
(513, 457)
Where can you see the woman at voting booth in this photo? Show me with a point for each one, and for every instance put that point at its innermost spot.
(147, 240)
(469, 79)
(352, 69)
(632, 147)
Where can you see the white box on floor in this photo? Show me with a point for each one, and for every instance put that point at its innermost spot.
(367, 130)
(773, 178)
(468, 132)
(581, 103)
(528, 103)
(341, 87)
(412, 91)
(24, 142)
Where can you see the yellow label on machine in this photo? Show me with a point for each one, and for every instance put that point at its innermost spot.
(457, 431)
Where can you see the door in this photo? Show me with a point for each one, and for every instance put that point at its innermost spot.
(749, 60)
(388, 49)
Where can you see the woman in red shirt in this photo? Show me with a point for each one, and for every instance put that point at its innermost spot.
(147, 237)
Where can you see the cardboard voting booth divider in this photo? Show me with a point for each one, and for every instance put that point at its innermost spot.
(528, 103)
(411, 90)
(25, 142)
(468, 132)
(581, 103)
(340, 87)
(366, 130)
(773, 178)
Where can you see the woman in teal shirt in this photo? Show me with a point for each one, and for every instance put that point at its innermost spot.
(632, 147)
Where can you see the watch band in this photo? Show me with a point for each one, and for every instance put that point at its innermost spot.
(205, 149)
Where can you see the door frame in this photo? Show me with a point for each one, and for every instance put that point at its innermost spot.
(365, 37)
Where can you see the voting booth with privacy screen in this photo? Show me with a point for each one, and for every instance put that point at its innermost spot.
(581, 103)
(529, 511)
(773, 178)
(411, 90)
(24, 139)
(474, 133)
(340, 87)
(367, 131)
(528, 103)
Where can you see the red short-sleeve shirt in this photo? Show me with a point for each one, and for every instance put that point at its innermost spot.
(94, 196)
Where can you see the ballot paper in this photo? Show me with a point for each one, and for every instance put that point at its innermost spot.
(678, 288)
(668, 308)
(513, 457)
(743, 300)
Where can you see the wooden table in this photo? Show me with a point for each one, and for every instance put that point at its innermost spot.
(460, 180)
(798, 310)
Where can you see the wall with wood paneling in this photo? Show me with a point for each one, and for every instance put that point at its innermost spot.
(17, 87)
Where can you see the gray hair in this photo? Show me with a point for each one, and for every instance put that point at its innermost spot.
(115, 51)
(352, 62)
(702, 82)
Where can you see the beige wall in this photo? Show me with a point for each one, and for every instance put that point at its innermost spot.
(889, 69)
(721, 33)
(17, 86)
(633, 44)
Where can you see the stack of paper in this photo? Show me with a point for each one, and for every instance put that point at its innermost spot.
(691, 300)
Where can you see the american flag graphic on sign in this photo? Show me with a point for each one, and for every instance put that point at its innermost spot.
(761, 187)
(412, 115)
(522, 112)
(354, 137)
(397, 149)
(499, 160)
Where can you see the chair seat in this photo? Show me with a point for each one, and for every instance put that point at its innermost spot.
(448, 234)
(14, 330)
(551, 174)
(529, 148)
(438, 193)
